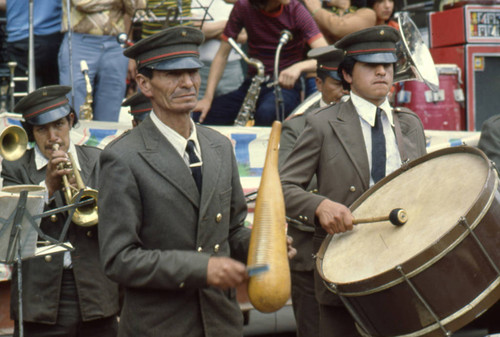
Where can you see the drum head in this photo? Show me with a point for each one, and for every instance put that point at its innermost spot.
(435, 193)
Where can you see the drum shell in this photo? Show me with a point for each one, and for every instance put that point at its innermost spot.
(448, 114)
(386, 304)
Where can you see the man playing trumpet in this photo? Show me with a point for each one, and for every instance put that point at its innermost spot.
(66, 293)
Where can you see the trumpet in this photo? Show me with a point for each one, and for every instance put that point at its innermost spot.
(13, 142)
(85, 215)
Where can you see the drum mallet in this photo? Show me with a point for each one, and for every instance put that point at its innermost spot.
(397, 217)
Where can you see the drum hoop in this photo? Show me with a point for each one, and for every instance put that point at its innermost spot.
(414, 271)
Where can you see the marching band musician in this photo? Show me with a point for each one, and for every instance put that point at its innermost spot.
(171, 205)
(329, 84)
(350, 146)
(64, 294)
(140, 107)
(264, 21)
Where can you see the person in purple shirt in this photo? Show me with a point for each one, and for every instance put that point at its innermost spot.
(264, 21)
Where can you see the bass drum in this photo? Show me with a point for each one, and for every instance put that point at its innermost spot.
(437, 272)
(439, 110)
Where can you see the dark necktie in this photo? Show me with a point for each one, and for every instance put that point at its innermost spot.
(194, 164)
(378, 148)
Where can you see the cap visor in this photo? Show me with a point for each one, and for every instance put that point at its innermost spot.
(50, 116)
(376, 58)
(334, 75)
(178, 63)
(141, 116)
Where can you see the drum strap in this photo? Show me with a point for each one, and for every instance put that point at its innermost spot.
(399, 137)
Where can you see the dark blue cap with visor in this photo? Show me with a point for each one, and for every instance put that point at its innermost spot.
(371, 45)
(171, 49)
(45, 105)
(140, 105)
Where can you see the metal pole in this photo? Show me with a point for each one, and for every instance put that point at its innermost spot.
(70, 51)
(31, 51)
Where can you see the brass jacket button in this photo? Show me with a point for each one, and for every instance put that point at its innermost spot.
(48, 258)
(53, 218)
(90, 234)
(200, 249)
(181, 285)
(216, 248)
(218, 217)
(352, 188)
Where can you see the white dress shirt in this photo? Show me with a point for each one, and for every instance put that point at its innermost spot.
(178, 142)
(367, 112)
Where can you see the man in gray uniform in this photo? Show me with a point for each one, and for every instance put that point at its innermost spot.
(171, 205)
(349, 146)
(64, 294)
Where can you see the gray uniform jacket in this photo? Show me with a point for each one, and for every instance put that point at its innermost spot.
(302, 237)
(332, 147)
(490, 139)
(98, 296)
(157, 233)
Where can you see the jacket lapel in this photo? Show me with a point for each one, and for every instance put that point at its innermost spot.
(347, 126)
(212, 160)
(163, 158)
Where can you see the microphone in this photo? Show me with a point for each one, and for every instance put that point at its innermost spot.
(122, 39)
(286, 36)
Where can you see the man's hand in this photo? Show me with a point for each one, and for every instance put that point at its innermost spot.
(203, 106)
(291, 250)
(334, 217)
(53, 176)
(132, 70)
(224, 272)
(289, 76)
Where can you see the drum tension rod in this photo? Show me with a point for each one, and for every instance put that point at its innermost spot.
(463, 221)
(422, 299)
(398, 217)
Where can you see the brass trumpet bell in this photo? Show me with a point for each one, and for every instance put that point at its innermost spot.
(13, 142)
(86, 215)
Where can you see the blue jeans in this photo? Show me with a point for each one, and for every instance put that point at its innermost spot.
(107, 73)
(225, 108)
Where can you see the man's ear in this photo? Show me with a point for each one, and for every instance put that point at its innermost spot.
(144, 84)
(71, 119)
(347, 77)
(319, 84)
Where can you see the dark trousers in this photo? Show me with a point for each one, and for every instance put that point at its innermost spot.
(225, 108)
(46, 48)
(69, 322)
(335, 321)
(305, 305)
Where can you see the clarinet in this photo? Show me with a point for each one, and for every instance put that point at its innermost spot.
(245, 116)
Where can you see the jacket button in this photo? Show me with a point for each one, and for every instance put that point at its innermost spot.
(352, 188)
(53, 218)
(200, 249)
(218, 217)
(306, 218)
(181, 285)
(301, 218)
(216, 248)
(48, 258)
(90, 234)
